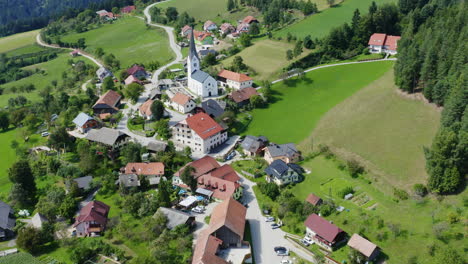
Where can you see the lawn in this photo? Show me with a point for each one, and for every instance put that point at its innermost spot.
(32, 48)
(19, 258)
(319, 25)
(300, 104)
(416, 230)
(17, 41)
(266, 57)
(53, 71)
(391, 134)
(129, 40)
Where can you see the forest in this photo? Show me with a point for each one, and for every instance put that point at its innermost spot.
(432, 59)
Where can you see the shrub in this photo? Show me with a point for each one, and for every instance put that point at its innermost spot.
(400, 194)
(354, 168)
(345, 191)
(326, 209)
(269, 189)
(420, 189)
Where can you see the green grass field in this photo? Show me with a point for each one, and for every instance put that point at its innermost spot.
(129, 40)
(32, 48)
(17, 41)
(302, 103)
(53, 71)
(320, 24)
(391, 134)
(19, 258)
(416, 228)
(266, 57)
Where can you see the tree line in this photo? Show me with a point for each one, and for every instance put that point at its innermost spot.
(432, 59)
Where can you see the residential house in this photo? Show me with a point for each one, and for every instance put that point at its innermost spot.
(253, 146)
(132, 79)
(324, 233)
(314, 200)
(242, 96)
(182, 103)
(92, 219)
(204, 52)
(84, 122)
(153, 171)
(38, 220)
(207, 249)
(129, 180)
(137, 71)
(249, 20)
(106, 15)
(186, 31)
(109, 137)
(234, 80)
(103, 73)
(156, 146)
(127, 9)
(200, 132)
(283, 173)
(379, 43)
(74, 53)
(286, 152)
(155, 94)
(203, 38)
(201, 166)
(226, 28)
(214, 108)
(221, 189)
(364, 246)
(210, 26)
(108, 103)
(84, 183)
(145, 110)
(242, 28)
(176, 217)
(165, 84)
(7, 221)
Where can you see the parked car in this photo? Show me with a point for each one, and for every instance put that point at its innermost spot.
(286, 261)
(45, 134)
(269, 218)
(197, 210)
(281, 251)
(307, 241)
(275, 226)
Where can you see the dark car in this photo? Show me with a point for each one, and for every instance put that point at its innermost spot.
(279, 248)
(275, 226)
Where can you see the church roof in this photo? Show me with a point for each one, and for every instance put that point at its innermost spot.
(200, 76)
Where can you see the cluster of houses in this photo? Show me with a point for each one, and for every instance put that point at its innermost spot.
(104, 14)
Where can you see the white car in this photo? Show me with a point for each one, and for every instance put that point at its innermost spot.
(286, 261)
(306, 241)
(269, 218)
(197, 210)
(45, 134)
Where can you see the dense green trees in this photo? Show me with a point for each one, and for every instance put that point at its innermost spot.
(187, 177)
(24, 189)
(4, 120)
(432, 58)
(157, 110)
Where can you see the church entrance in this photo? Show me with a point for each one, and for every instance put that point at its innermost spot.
(209, 93)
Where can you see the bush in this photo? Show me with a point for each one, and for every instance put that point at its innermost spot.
(326, 209)
(420, 189)
(400, 194)
(269, 189)
(354, 168)
(345, 191)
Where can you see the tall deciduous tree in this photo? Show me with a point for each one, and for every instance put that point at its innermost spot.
(23, 181)
(187, 177)
(157, 110)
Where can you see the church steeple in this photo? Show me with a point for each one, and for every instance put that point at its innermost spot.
(193, 50)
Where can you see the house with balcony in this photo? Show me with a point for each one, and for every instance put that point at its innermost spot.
(92, 219)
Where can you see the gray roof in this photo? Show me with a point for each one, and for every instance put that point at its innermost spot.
(165, 82)
(213, 107)
(107, 136)
(193, 50)
(6, 213)
(103, 73)
(204, 192)
(129, 180)
(200, 76)
(287, 150)
(156, 91)
(84, 182)
(278, 168)
(252, 143)
(205, 52)
(155, 180)
(37, 220)
(81, 119)
(156, 146)
(174, 217)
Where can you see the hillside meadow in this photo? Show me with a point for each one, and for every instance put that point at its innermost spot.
(320, 24)
(129, 39)
(300, 104)
(18, 41)
(384, 129)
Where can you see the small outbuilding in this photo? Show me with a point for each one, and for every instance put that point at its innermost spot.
(364, 246)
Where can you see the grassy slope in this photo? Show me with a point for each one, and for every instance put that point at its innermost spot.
(17, 41)
(417, 228)
(266, 57)
(129, 40)
(393, 127)
(53, 68)
(320, 24)
(301, 104)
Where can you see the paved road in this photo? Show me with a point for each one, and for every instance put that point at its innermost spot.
(82, 53)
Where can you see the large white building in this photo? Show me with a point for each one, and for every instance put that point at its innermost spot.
(199, 82)
(234, 80)
(200, 132)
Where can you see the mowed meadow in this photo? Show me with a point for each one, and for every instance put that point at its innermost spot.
(300, 104)
(18, 41)
(129, 39)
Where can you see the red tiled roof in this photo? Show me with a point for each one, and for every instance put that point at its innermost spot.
(206, 248)
(203, 125)
(185, 28)
(249, 19)
(231, 214)
(94, 211)
(110, 98)
(222, 189)
(377, 39)
(226, 26)
(234, 76)
(313, 199)
(200, 35)
(362, 245)
(201, 166)
(134, 69)
(392, 42)
(143, 168)
(145, 108)
(225, 172)
(127, 9)
(208, 23)
(180, 98)
(322, 227)
(131, 79)
(243, 94)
